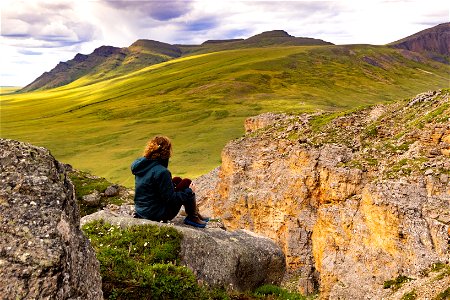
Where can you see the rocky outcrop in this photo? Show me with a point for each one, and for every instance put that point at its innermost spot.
(238, 260)
(353, 202)
(433, 42)
(43, 253)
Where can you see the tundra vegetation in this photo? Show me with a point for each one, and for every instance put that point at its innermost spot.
(201, 101)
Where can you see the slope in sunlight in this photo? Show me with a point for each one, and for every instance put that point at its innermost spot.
(201, 102)
(107, 61)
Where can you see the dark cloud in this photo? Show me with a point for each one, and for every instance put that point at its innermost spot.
(157, 10)
(201, 24)
(29, 52)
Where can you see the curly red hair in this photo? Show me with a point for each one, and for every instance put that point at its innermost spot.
(159, 147)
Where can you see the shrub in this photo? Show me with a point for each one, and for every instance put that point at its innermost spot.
(409, 296)
(141, 262)
(443, 295)
(279, 293)
(396, 283)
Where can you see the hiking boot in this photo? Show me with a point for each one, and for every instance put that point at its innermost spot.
(196, 222)
(204, 219)
(190, 207)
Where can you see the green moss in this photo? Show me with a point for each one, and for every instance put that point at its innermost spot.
(409, 296)
(86, 184)
(320, 121)
(277, 292)
(404, 146)
(141, 262)
(371, 161)
(371, 131)
(438, 266)
(399, 168)
(433, 115)
(445, 271)
(396, 283)
(444, 295)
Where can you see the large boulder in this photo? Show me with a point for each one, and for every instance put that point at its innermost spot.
(237, 260)
(43, 253)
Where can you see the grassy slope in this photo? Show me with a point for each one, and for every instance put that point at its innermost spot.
(201, 102)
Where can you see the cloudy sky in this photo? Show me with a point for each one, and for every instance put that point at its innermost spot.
(37, 34)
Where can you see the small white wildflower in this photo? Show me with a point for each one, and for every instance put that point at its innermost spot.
(145, 244)
(101, 245)
(134, 249)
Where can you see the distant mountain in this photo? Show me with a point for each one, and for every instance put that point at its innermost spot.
(281, 37)
(266, 39)
(433, 42)
(107, 61)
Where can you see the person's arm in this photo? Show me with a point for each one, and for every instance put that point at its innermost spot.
(167, 189)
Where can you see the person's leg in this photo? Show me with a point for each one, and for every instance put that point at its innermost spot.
(190, 206)
(171, 211)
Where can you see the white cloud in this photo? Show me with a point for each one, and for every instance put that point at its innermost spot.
(37, 34)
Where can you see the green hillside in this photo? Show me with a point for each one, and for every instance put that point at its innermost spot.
(201, 102)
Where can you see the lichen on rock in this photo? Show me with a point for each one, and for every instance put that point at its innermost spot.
(44, 254)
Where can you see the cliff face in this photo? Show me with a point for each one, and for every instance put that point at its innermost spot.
(353, 202)
(433, 42)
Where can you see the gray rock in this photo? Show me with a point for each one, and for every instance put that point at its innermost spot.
(238, 260)
(428, 172)
(112, 190)
(92, 199)
(43, 253)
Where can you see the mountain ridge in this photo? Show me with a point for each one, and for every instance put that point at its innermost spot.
(109, 61)
(433, 42)
(143, 52)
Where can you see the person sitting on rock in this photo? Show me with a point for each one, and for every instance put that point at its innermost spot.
(155, 195)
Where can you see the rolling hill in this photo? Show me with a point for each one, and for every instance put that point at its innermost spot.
(201, 101)
(108, 61)
(105, 62)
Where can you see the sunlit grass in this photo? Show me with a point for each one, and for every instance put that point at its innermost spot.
(8, 89)
(201, 102)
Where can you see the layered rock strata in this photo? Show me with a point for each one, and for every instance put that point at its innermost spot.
(353, 202)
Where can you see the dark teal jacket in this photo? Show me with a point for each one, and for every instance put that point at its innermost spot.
(155, 198)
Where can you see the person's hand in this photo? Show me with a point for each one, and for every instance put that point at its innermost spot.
(192, 187)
